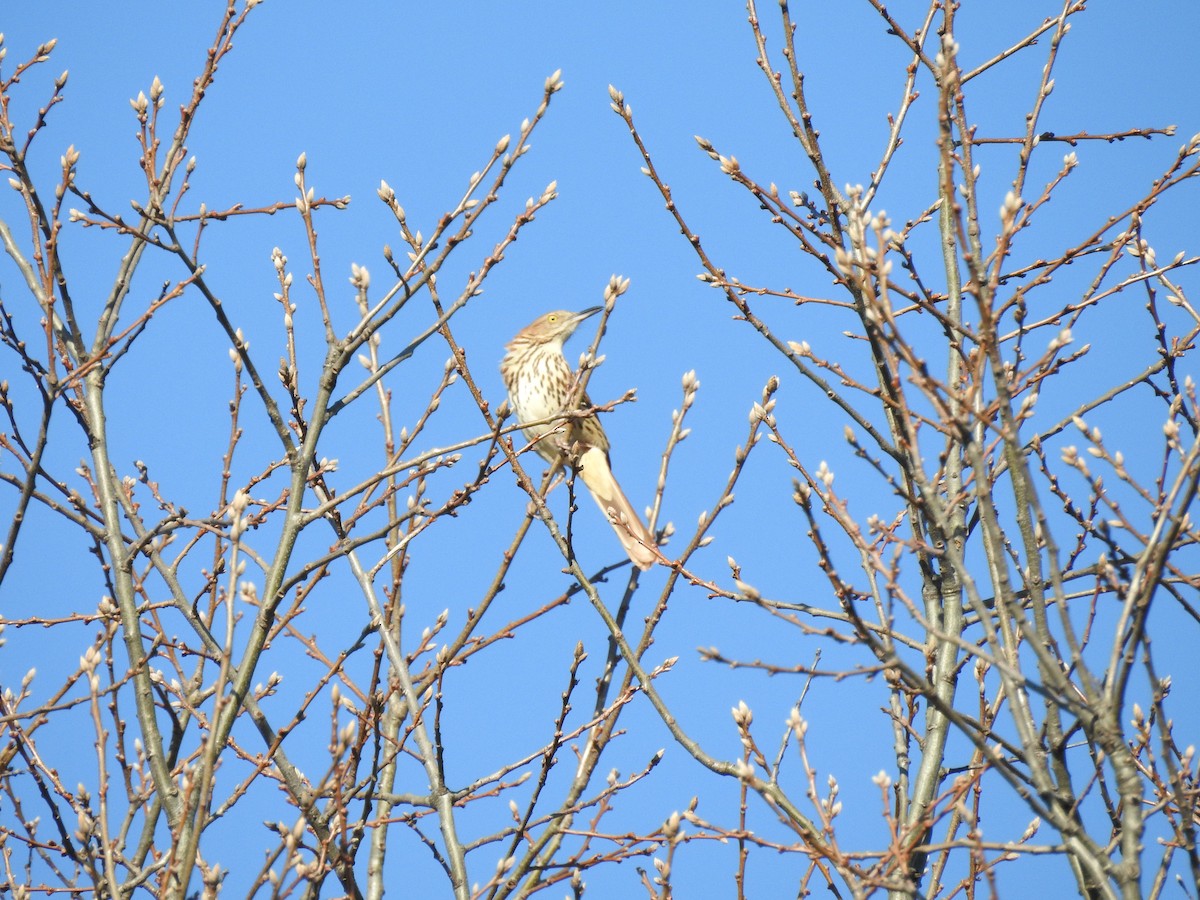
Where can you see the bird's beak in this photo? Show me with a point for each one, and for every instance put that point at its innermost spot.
(587, 313)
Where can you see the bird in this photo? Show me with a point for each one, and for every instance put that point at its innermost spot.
(539, 380)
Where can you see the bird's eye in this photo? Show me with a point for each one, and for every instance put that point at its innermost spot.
(552, 318)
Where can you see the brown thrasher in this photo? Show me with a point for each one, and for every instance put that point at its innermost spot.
(539, 381)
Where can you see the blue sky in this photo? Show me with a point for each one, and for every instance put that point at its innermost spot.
(418, 96)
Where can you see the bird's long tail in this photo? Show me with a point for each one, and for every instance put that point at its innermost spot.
(635, 537)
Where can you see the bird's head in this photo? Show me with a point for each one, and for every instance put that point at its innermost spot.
(554, 327)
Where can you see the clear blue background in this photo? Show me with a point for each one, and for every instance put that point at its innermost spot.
(418, 95)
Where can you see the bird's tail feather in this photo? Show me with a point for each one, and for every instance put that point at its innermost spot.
(634, 536)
